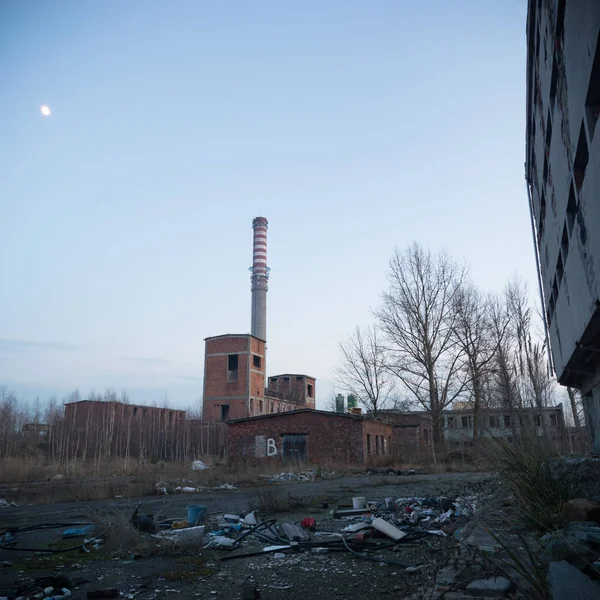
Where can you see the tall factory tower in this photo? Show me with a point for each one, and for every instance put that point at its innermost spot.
(260, 279)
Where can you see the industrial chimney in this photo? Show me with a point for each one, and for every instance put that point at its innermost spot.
(259, 278)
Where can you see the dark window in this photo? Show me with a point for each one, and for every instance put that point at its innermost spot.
(232, 367)
(377, 445)
(170, 416)
(310, 390)
(272, 407)
(286, 378)
(383, 445)
(256, 361)
(582, 157)
(548, 132)
(467, 422)
(494, 421)
(542, 217)
(389, 444)
(250, 405)
(553, 420)
(299, 378)
(368, 443)
(538, 420)
(451, 422)
(224, 412)
(506, 420)
(426, 436)
(468, 444)
(135, 411)
(564, 244)
(559, 269)
(260, 406)
(571, 210)
(273, 379)
(592, 101)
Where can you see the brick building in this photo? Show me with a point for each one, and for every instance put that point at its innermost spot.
(234, 381)
(411, 438)
(312, 436)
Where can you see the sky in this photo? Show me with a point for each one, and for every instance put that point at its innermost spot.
(355, 127)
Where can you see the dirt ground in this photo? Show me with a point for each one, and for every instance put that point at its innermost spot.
(193, 573)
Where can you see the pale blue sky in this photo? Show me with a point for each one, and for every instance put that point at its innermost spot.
(353, 126)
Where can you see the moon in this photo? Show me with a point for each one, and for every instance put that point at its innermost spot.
(45, 110)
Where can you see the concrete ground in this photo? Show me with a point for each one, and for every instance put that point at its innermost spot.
(195, 574)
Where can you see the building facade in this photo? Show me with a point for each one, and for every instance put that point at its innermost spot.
(499, 423)
(234, 381)
(310, 436)
(563, 176)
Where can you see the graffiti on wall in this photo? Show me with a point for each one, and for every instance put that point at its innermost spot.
(265, 446)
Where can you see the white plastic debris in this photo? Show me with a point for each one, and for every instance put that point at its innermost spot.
(388, 529)
(199, 465)
(220, 541)
(5, 503)
(225, 486)
(187, 535)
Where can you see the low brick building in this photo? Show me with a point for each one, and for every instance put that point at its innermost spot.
(311, 436)
(411, 438)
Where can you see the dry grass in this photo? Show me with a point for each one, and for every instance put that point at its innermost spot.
(524, 467)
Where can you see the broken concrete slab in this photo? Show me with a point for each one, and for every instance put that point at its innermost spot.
(581, 509)
(576, 553)
(493, 586)
(566, 583)
(583, 471)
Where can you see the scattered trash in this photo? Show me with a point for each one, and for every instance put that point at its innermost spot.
(360, 502)
(187, 535)
(225, 486)
(295, 533)
(186, 489)
(6, 503)
(388, 529)
(196, 514)
(282, 586)
(279, 555)
(78, 531)
(308, 523)
(199, 465)
(107, 593)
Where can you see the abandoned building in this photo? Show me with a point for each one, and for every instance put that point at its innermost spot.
(501, 423)
(235, 382)
(313, 436)
(562, 167)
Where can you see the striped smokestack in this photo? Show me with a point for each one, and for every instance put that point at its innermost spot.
(259, 278)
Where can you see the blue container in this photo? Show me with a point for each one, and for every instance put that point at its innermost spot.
(196, 514)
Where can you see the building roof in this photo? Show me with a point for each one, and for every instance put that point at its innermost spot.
(293, 375)
(233, 335)
(305, 410)
(103, 402)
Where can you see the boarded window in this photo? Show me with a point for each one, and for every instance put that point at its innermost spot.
(260, 446)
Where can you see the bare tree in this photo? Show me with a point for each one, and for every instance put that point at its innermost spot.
(536, 386)
(576, 407)
(479, 336)
(362, 371)
(418, 317)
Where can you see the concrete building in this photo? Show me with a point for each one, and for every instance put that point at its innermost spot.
(498, 423)
(312, 436)
(563, 176)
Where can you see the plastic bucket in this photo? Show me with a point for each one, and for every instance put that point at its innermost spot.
(359, 503)
(196, 514)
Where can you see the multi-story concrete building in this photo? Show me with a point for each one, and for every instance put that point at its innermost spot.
(499, 423)
(563, 177)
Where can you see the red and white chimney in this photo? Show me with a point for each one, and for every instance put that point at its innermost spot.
(259, 279)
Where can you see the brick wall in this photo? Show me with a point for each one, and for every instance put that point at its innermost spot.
(331, 438)
(377, 441)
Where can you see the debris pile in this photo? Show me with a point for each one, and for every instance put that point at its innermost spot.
(6, 503)
(309, 475)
